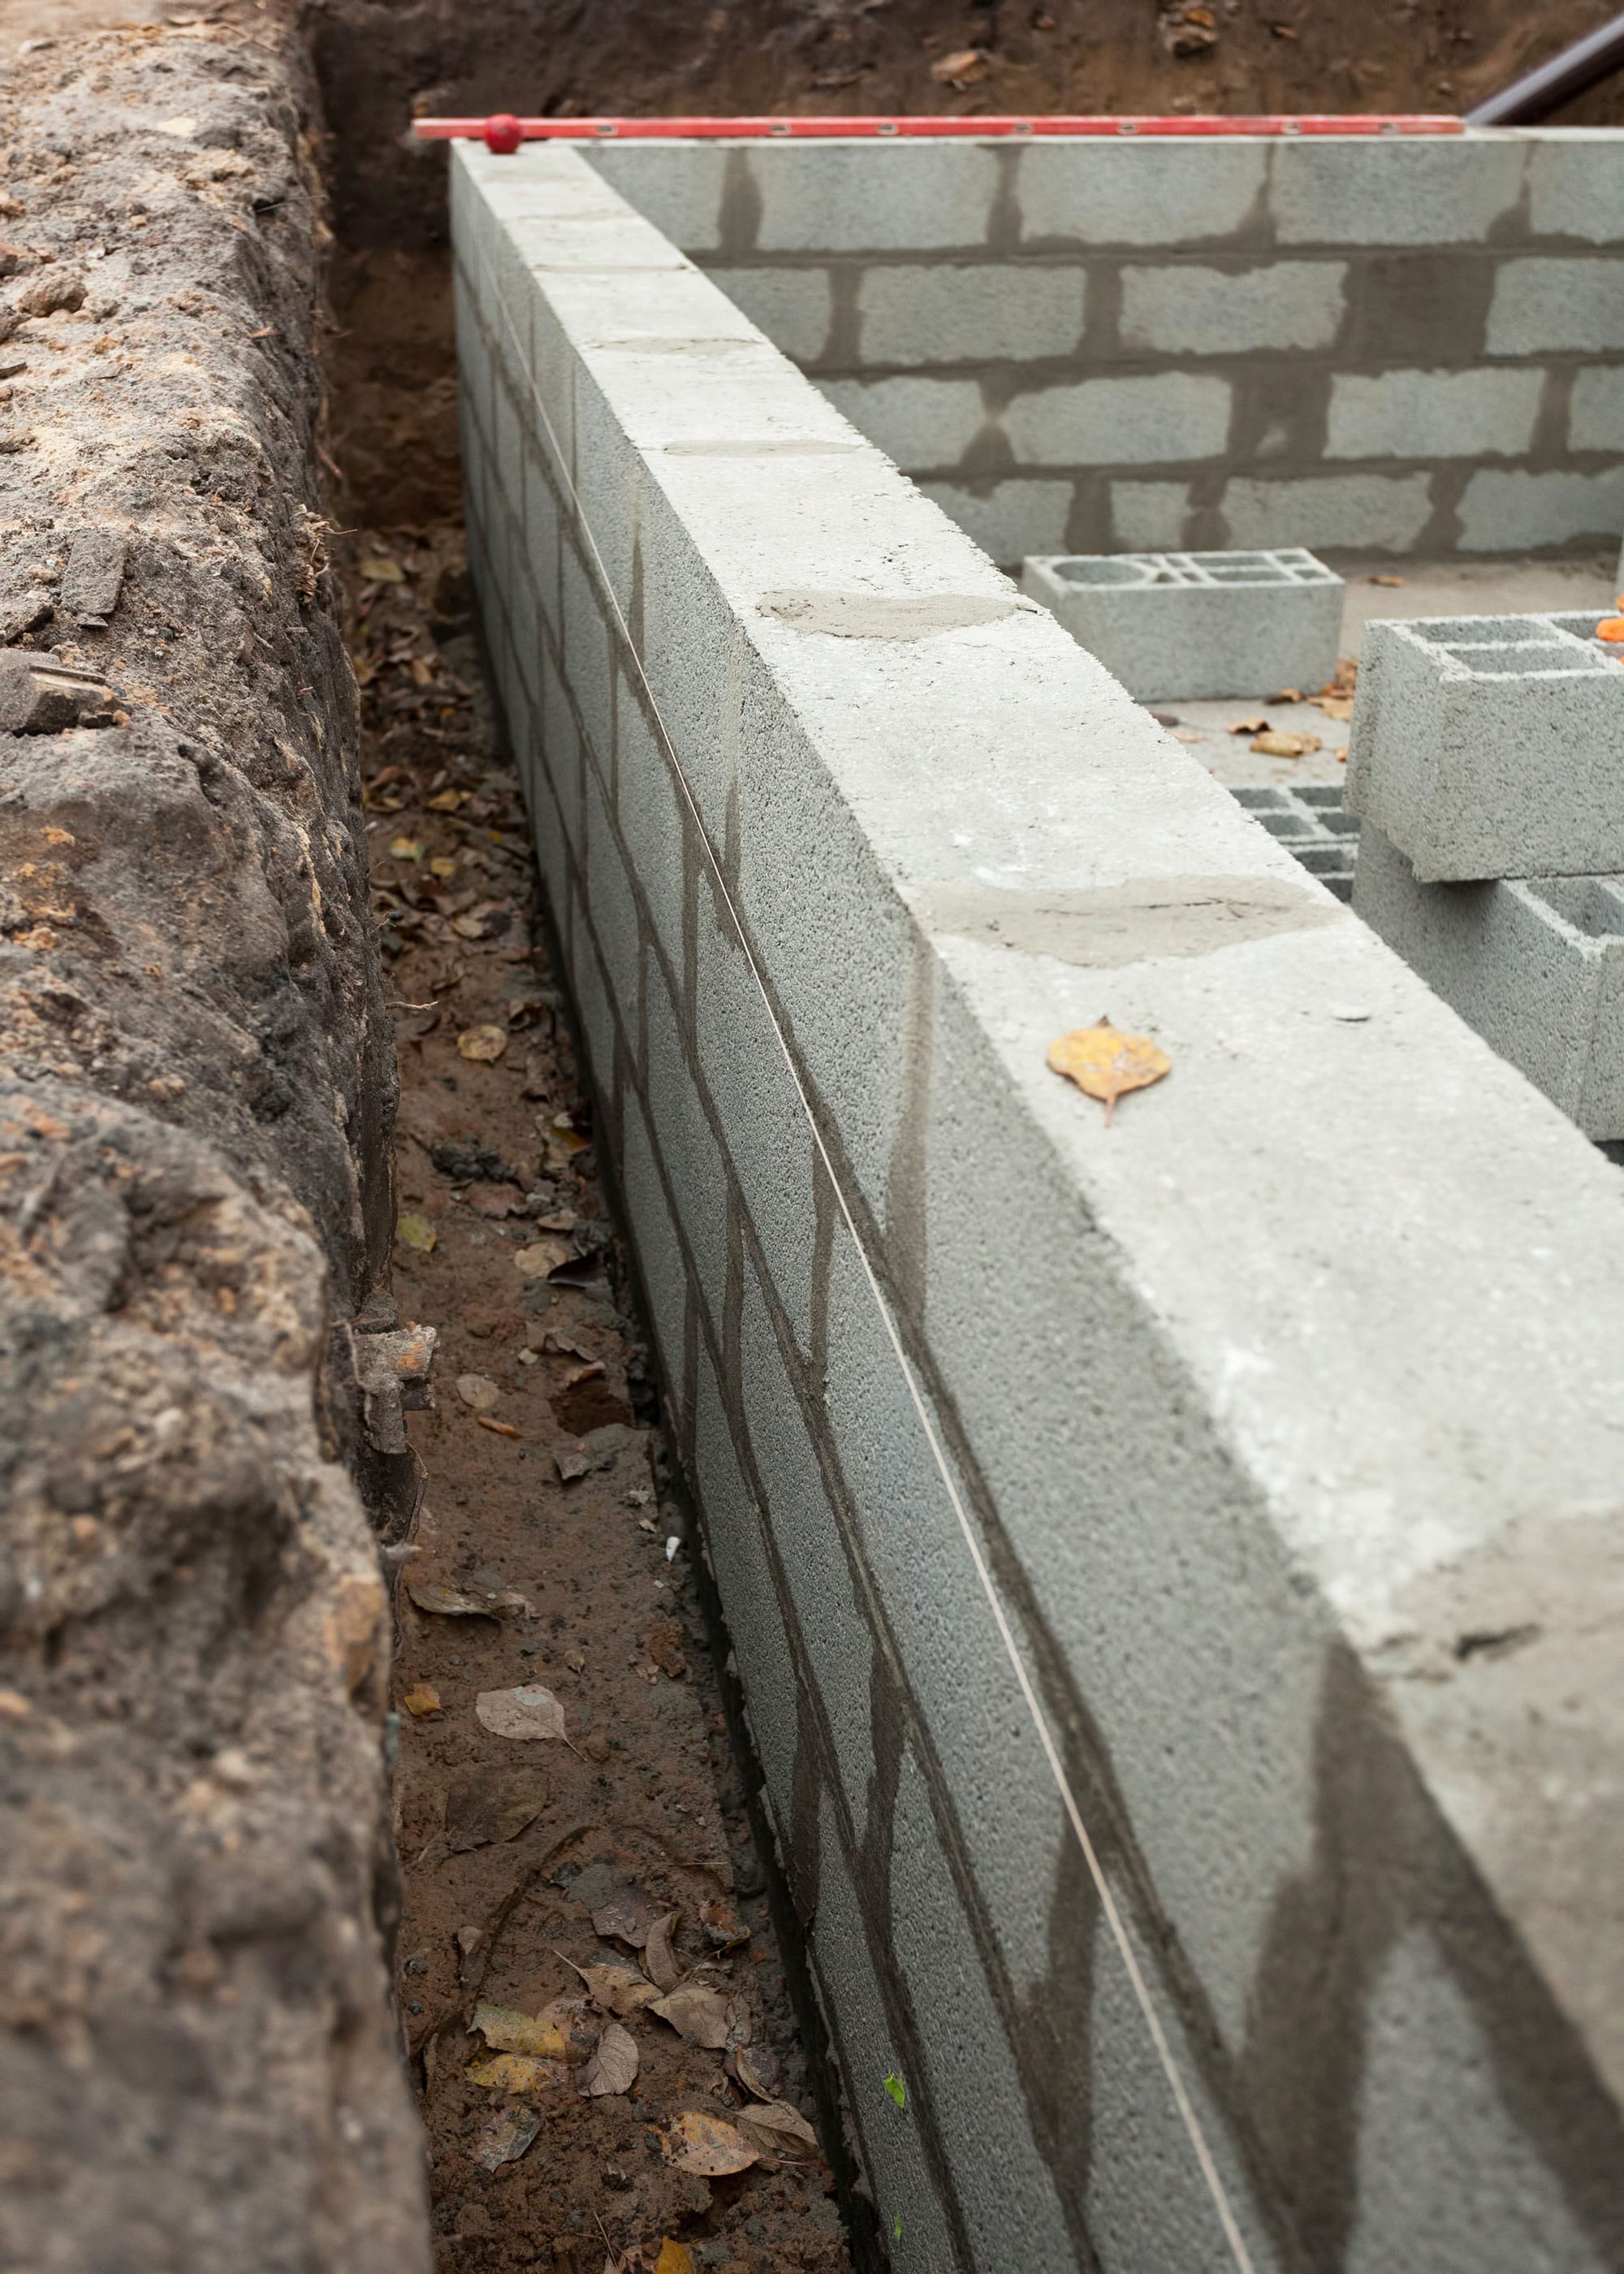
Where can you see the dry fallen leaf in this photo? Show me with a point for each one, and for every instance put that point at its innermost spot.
(613, 2067)
(424, 1699)
(694, 2013)
(628, 1915)
(1278, 743)
(378, 568)
(517, 2073)
(1253, 726)
(544, 1255)
(1384, 580)
(497, 1428)
(524, 1713)
(672, 2259)
(484, 1808)
(617, 1989)
(478, 1391)
(778, 2130)
(657, 1954)
(1105, 1063)
(443, 865)
(757, 2070)
(482, 1044)
(446, 801)
(504, 2031)
(416, 1231)
(1289, 695)
(504, 2137)
(962, 68)
(1334, 706)
(455, 1603)
(407, 848)
(706, 2146)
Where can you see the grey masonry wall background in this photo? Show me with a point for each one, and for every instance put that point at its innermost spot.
(1285, 1412)
(1101, 346)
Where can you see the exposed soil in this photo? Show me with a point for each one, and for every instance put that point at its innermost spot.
(543, 1505)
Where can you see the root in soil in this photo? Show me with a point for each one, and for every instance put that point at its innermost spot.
(543, 1517)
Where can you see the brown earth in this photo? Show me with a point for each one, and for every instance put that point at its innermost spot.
(508, 1846)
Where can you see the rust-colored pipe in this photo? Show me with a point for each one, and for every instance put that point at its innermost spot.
(1538, 93)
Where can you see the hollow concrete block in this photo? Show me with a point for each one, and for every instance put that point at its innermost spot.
(1536, 968)
(1190, 624)
(1487, 746)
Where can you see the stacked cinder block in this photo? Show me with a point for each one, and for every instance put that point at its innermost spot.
(1488, 762)
(1190, 624)
(1121, 344)
(1273, 1410)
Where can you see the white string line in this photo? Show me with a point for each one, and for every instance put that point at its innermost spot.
(1051, 1753)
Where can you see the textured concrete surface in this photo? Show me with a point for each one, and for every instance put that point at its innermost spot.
(1536, 968)
(1114, 345)
(1487, 746)
(1197, 623)
(1282, 1411)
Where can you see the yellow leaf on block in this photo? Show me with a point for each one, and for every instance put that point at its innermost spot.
(416, 1231)
(1104, 1062)
(482, 1044)
(706, 2146)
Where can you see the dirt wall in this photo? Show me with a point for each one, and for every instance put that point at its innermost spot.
(198, 2065)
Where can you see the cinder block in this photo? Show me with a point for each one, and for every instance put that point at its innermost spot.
(791, 305)
(1373, 513)
(659, 1254)
(1509, 509)
(1488, 746)
(1312, 824)
(693, 1159)
(1374, 191)
(1197, 623)
(1536, 968)
(1159, 420)
(1576, 183)
(1178, 309)
(1432, 414)
(872, 197)
(918, 422)
(677, 186)
(1596, 409)
(1540, 303)
(1149, 517)
(961, 311)
(1008, 519)
(1165, 194)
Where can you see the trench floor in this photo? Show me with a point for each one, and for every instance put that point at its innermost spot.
(565, 1783)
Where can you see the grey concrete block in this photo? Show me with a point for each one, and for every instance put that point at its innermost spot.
(1536, 968)
(872, 197)
(1157, 420)
(688, 1145)
(918, 422)
(1373, 192)
(1596, 408)
(1313, 826)
(793, 305)
(1487, 746)
(659, 1256)
(1008, 519)
(1512, 509)
(1541, 302)
(1182, 309)
(1197, 623)
(962, 312)
(1575, 183)
(1366, 513)
(1128, 192)
(679, 186)
(1432, 414)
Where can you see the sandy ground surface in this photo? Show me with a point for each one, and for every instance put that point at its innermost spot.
(550, 1559)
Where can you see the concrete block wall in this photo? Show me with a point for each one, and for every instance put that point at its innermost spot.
(1107, 345)
(1281, 1414)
